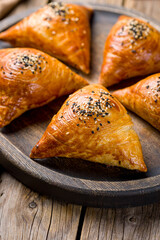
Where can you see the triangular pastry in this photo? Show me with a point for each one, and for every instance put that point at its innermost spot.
(92, 125)
(59, 29)
(143, 98)
(132, 49)
(30, 78)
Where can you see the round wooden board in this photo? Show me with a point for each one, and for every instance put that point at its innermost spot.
(73, 180)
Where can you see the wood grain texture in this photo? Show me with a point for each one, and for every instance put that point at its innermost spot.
(6, 6)
(24, 5)
(27, 215)
(122, 224)
(112, 2)
(149, 7)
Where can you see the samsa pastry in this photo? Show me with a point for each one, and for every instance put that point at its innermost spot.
(30, 78)
(132, 49)
(143, 98)
(92, 125)
(59, 29)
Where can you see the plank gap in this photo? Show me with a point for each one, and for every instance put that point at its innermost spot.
(123, 2)
(81, 221)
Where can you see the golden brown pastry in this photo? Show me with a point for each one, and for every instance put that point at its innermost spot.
(143, 98)
(92, 125)
(59, 29)
(132, 49)
(30, 78)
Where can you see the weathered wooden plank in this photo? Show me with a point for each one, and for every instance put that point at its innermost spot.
(122, 224)
(27, 215)
(149, 7)
(6, 6)
(24, 5)
(113, 2)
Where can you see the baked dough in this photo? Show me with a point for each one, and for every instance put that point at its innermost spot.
(143, 98)
(132, 49)
(59, 29)
(30, 78)
(92, 125)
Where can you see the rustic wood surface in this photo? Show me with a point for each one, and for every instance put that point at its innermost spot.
(28, 215)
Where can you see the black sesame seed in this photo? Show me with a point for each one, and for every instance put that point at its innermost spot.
(147, 86)
(78, 124)
(156, 101)
(133, 51)
(100, 124)
(97, 128)
(21, 72)
(92, 132)
(61, 116)
(108, 121)
(26, 57)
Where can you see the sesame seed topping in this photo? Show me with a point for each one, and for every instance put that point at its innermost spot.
(136, 29)
(93, 109)
(59, 9)
(29, 61)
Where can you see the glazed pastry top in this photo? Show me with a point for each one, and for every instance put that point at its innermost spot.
(132, 49)
(94, 126)
(143, 98)
(59, 29)
(30, 78)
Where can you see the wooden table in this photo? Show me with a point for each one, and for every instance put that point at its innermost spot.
(25, 214)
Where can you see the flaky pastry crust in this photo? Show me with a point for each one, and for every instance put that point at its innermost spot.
(59, 29)
(143, 98)
(30, 78)
(92, 125)
(132, 49)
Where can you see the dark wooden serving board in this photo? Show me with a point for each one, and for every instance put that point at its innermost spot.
(73, 180)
